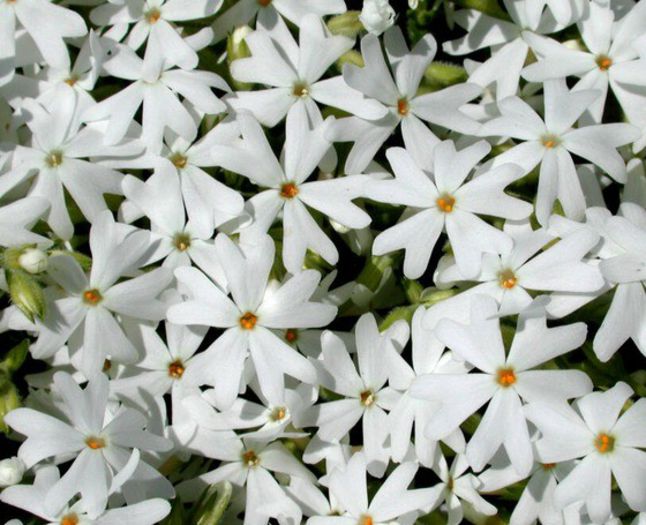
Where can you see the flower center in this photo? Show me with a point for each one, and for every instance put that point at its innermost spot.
(550, 141)
(301, 89)
(445, 203)
(604, 62)
(107, 365)
(95, 443)
(507, 279)
(250, 458)
(403, 107)
(54, 159)
(176, 369)
(278, 414)
(92, 297)
(506, 377)
(548, 466)
(367, 398)
(365, 520)
(248, 321)
(291, 335)
(153, 15)
(264, 3)
(178, 160)
(289, 190)
(69, 519)
(71, 80)
(182, 242)
(450, 483)
(604, 443)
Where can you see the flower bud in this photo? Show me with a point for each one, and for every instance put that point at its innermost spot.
(212, 504)
(26, 293)
(346, 24)
(237, 48)
(377, 16)
(9, 399)
(11, 471)
(33, 260)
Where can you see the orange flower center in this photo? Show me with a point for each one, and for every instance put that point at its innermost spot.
(107, 365)
(604, 62)
(69, 519)
(264, 3)
(403, 107)
(176, 369)
(278, 414)
(250, 458)
(550, 141)
(248, 321)
(92, 297)
(506, 377)
(367, 398)
(73, 79)
(153, 15)
(291, 335)
(365, 520)
(289, 190)
(445, 203)
(548, 466)
(178, 160)
(604, 443)
(507, 279)
(95, 443)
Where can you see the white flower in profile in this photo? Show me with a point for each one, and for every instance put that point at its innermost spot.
(86, 315)
(293, 73)
(551, 142)
(365, 394)
(609, 51)
(32, 497)
(504, 381)
(100, 447)
(157, 87)
(55, 161)
(396, 87)
(608, 443)
(445, 202)
(457, 487)
(243, 12)
(377, 16)
(12, 470)
(392, 503)
(154, 22)
(288, 189)
(529, 266)
(48, 24)
(256, 308)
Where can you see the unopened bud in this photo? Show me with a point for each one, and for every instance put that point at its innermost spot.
(346, 24)
(33, 260)
(237, 48)
(377, 16)
(9, 399)
(26, 293)
(11, 471)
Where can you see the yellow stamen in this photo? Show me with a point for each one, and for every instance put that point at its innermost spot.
(550, 141)
(402, 107)
(248, 321)
(506, 377)
(278, 414)
(71, 80)
(95, 443)
(604, 443)
(178, 160)
(176, 369)
(69, 519)
(367, 398)
(289, 190)
(445, 203)
(250, 458)
(301, 90)
(604, 62)
(507, 279)
(365, 520)
(182, 242)
(54, 159)
(153, 15)
(92, 297)
(107, 365)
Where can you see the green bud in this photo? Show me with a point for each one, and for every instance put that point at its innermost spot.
(237, 48)
(413, 291)
(15, 357)
(26, 293)
(350, 57)
(346, 24)
(431, 296)
(441, 74)
(9, 399)
(373, 271)
(212, 504)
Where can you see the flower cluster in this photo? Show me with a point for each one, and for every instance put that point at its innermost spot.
(285, 261)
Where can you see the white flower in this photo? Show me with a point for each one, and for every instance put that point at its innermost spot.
(608, 443)
(18, 218)
(100, 447)
(33, 260)
(287, 187)
(86, 315)
(505, 380)
(396, 87)
(11, 471)
(293, 72)
(392, 503)
(550, 143)
(446, 202)
(247, 319)
(377, 16)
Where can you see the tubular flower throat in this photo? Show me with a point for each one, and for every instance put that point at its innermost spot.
(604, 62)
(69, 519)
(291, 335)
(604, 443)
(507, 279)
(264, 3)
(176, 369)
(278, 414)
(506, 377)
(367, 398)
(248, 321)
(550, 141)
(301, 89)
(95, 443)
(366, 520)
(92, 297)
(54, 159)
(250, 458)
(153, 16)
(289, 190)
(178, 160)
(182, 242)
(403, 107)
(445, 203)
